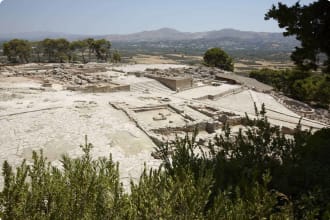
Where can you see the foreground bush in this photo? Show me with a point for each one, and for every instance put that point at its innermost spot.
(83, 189)
(256, 174)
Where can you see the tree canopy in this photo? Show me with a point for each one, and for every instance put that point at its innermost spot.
(310, 24)
(102, 49)
(17, 50)
(58, 50)
(216, 57)
(80, 46)
(116, 56)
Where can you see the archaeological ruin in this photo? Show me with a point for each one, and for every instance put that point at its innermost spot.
(127, 110)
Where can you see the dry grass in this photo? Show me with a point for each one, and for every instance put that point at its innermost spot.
(242, 65)
(152, 59)
(245, 66)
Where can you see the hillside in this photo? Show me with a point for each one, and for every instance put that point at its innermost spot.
(240, 44)
(168, 34)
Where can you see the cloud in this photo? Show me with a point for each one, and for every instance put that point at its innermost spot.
(1, 1)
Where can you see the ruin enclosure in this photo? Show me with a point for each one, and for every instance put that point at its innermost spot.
(127, 110)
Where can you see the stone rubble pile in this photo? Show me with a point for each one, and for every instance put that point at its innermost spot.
(62, 74)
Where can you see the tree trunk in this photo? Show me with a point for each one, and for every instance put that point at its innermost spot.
(83, 57)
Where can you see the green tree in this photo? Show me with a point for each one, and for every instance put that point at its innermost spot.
(102, 49)
(216, 57)
(37, 50)
(62, 50)
(323, 93)
(306, 89)
(49, 49)
(310, 24)
(56, 49)
(17, 50)
(116, 56)
(91, 47)
(80, 46)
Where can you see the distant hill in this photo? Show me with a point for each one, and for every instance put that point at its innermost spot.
(243, 44)
(168, 34)
(40, 35)
(163, 34)
(238, 43)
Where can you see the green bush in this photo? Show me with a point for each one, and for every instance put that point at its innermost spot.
(257, 174)
(298, 84)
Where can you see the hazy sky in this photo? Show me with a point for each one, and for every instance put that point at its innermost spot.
(128, 16)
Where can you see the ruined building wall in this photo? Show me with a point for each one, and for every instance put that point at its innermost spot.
(101, 89)
(185, 83)
(174, 84)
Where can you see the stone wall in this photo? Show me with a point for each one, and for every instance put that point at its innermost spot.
(100, 88)
(182, 84)
(228, 80)
(174, 83)
(222, 94)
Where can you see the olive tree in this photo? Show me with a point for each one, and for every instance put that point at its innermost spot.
(17, 50)
(216, 57)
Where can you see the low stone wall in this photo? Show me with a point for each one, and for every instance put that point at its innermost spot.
(182, 84)
(174, 83)
(202, 126)
(286, 130)
(242, 80)
(222, 94)
(228, 80)
(100, 88)
(205, 112)
(231, 120)
(149, 108)
(229, 92)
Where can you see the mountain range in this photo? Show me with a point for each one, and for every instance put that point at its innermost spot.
(166, 40)
(168, 34)
(40, 35)
(163, 34)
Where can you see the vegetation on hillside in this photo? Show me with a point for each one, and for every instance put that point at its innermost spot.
(59, 50)
(302, 85)
(257, 174)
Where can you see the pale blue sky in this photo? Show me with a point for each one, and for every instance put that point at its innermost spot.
(128, 16)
